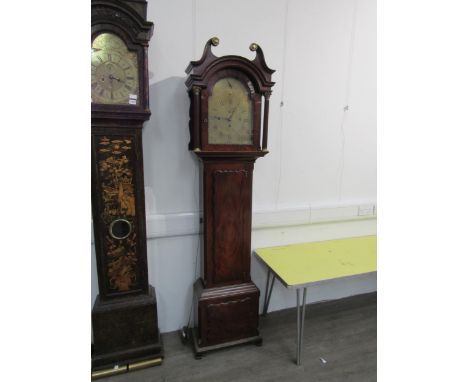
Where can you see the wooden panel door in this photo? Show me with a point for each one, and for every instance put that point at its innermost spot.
(228, 211)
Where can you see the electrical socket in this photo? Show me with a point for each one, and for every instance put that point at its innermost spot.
(366, 210)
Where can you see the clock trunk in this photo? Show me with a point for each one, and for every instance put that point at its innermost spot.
(227, 299)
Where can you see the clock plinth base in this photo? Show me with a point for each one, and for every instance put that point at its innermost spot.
(227, 316)
(200, 350)
(125, 331)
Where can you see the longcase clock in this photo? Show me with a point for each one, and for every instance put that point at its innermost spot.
(124, 316)
(226, 95)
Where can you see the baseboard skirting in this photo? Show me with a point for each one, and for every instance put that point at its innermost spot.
(189, 223)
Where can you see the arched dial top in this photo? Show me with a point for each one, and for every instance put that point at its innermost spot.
(230, 119)
(228, 95)
(114, 71)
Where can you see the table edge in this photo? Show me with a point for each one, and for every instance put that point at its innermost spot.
(305, 285)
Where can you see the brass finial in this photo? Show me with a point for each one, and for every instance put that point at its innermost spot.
(253, 47)
(215, 41)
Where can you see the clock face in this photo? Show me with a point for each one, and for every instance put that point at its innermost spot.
(114, 72)
(230, 113)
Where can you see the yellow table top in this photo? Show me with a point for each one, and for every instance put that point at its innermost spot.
(299, 264)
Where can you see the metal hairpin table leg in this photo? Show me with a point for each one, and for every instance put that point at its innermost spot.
(300, 322)
(268, 290)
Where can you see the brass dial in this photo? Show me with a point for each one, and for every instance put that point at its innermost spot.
(114, 72)
(230, 113)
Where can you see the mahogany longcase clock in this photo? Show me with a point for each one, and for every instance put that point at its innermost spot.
(225, 128)
(124, 316)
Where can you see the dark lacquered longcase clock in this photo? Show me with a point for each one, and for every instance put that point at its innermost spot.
(124, 316)
(227, 98)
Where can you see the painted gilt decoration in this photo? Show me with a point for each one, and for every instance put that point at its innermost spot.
(118, 199)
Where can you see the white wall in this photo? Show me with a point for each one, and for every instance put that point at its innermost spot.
(320, 175)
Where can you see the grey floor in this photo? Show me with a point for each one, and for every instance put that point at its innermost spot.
(343, 332)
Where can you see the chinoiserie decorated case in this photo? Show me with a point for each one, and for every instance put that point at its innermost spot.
(124, 316)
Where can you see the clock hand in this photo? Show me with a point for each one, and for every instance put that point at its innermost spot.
(232, 113)
(219, 118)
(111, 77)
